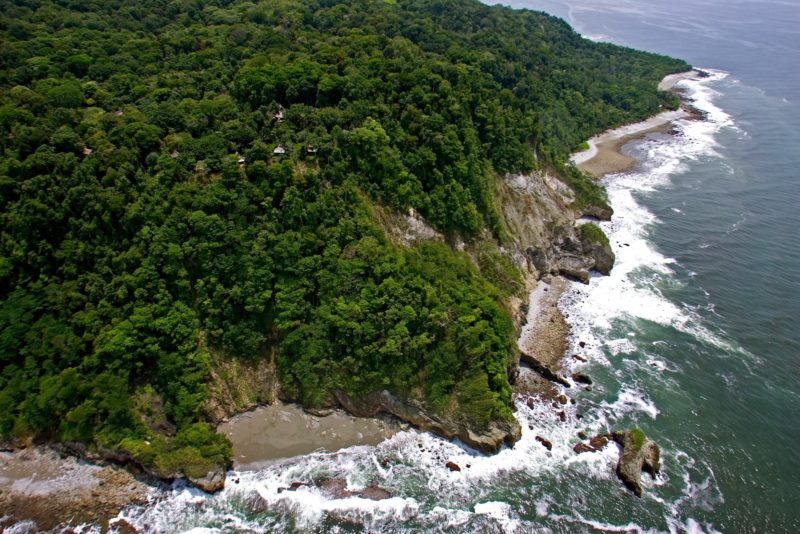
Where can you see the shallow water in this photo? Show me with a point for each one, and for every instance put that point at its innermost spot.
(691, 338)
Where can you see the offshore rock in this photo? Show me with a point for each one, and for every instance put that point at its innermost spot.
(337, 489)
(374, 493)
(546, 443)
(488, 440)
(582, 378)
(212, 482)
(638, 454)
(257, 504)
(452, 466)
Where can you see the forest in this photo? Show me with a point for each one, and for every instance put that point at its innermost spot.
(187, 179)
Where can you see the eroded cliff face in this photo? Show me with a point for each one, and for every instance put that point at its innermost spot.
(541, 224)
(236, 385)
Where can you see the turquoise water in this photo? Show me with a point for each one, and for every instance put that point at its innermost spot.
(692, 337)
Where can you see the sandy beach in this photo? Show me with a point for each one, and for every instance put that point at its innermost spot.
(279, 431)
(605, 156)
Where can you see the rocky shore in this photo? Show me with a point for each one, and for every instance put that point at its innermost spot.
(543, 340)
(50, 491)
(41, 490)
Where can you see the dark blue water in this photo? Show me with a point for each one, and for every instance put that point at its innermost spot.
(693, 337)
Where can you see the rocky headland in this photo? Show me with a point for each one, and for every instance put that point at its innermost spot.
(550, 247)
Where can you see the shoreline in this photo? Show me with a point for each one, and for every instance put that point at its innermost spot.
(545, 336)
(39, 484)
(542, 338)
(605, 155)
(48, 491)
(280, 431)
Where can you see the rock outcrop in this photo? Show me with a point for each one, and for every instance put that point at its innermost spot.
(452, 466)
(489, 439)
(55, 490)
(638, 454)
(536, 210)
(543, 370)
(546, 443)
(212, 482)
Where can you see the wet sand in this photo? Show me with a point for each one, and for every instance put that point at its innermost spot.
(605, 156)
(280, 431)
(543, 337)
(669, 82)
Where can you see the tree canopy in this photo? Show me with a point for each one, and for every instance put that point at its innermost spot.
(148, 221)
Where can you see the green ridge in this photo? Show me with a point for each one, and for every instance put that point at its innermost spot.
(134, 245)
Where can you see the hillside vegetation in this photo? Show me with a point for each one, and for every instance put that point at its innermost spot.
(147, 222)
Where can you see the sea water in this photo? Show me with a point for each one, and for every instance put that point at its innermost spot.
(692, 338)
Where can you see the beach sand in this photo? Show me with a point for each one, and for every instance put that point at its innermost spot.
(280, 431)
(605, 150)
(544, 337)
(605, 156)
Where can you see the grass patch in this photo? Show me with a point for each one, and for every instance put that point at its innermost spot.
(592, 234)
(638, 438)
(588, 191)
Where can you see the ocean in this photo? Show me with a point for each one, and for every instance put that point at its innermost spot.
(692, 338)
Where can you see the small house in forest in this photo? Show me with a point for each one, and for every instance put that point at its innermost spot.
(279, 151)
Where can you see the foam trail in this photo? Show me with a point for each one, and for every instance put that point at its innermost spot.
(631, 291)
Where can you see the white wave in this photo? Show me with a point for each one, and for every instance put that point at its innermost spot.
(630, 401)
(621, 346)
(631, 291)
(500, 512)
(692, 526)
(21, 527)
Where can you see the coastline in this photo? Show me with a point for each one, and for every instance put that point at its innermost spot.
(544, 337)
(604, 155)
(281, 430)
(42, 490)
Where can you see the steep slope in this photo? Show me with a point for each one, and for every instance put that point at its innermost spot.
(191, 190)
